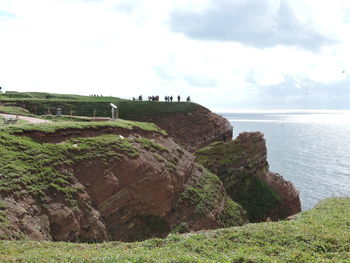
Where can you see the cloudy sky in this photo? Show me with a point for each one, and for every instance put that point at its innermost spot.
(225, 54)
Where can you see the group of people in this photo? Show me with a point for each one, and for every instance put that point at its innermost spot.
(95, 95)
(166, 98)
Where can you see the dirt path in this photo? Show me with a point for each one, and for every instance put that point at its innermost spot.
(26, 118)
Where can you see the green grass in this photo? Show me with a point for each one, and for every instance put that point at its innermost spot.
(203, 195)
(319, 235)
(151, 146)
(229, 161)
(53, 127)
(66, 118)
(39, 104)
(18, 122)
(14, 110)
(30, 167)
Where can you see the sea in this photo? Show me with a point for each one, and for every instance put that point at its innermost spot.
(309, 148)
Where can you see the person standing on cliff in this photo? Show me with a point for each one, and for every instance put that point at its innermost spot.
(178, 98)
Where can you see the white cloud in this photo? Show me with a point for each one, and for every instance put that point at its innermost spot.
(125, 48)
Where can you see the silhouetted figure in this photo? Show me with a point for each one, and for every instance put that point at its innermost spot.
(188, 99)
(178, 98)
(0, 89)
(140, 97)
(133, 99)
(171, 98)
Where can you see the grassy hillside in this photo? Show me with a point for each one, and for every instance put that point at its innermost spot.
(14, 110)
(231, 163)
(40, 103)
(28, 166)
(319, 235)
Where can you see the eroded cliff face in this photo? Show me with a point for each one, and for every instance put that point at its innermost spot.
(242, 167)
(196, 129)
(122, 185)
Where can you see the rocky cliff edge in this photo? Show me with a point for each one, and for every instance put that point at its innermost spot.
(243, 168)
(97, 182)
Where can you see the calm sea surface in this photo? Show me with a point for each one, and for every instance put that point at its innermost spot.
(310, 149)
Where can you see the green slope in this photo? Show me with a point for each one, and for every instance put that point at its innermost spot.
(31, 167)
(40, 103)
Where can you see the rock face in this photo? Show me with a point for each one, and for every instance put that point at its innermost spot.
(196, 129)
(242, 167)
(136, 186)
(108, 182)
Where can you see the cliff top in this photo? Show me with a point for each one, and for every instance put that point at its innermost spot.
(34, 151)
(318, 235)
(39, 103)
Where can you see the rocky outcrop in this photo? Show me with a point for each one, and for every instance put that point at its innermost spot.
(196, 129)
(243, 168)
(123, 186)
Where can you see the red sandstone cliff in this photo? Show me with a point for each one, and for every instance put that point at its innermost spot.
(156, 188)
(243, 168)
(196, 129)
(129, 197)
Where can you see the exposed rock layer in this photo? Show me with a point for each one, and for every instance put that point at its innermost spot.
(130, 197)
(196, 129)
(243, 168)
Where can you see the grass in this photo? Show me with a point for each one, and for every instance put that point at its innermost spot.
(203, 195)
(232, 165)
(66, 118)
(318, 235)
(151, 146)
(14, 110)
(31, 167)
(40, 103)
(53, 127)
(18, 122)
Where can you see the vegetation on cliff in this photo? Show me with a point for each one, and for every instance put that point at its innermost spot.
(45, 161)
(190, 124)
(239, 165)
(14, 110)
(30, 166)
(40, 103)
(321, 234)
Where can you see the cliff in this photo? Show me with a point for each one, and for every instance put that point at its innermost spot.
(320, 234)
(105, 181)
(242, 166)
(130, 180)
(194, 130)
(190, 124)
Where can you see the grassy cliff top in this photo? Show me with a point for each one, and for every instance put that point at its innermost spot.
(318, 235)
(34, 167)
(39, 103)
(55, 126)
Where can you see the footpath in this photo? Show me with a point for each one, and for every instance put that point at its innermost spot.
(26, 118)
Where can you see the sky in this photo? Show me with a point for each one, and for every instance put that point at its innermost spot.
(225, 54)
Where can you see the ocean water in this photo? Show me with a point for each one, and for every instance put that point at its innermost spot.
(309, 148)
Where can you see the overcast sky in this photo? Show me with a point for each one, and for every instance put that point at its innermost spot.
(225, 54)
